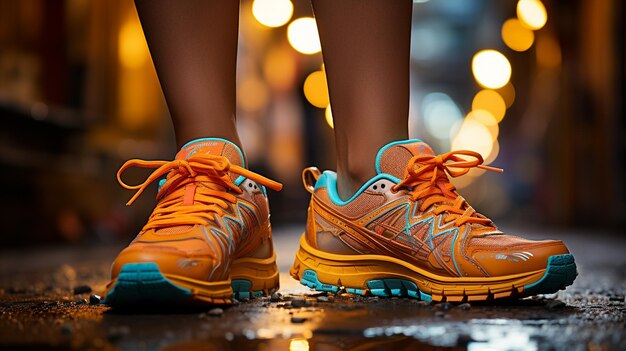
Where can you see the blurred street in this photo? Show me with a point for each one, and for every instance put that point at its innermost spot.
(47, 304)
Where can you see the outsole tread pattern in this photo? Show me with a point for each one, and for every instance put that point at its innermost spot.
(242, 290)
(376, 287)
(560, 273)
(143, 284)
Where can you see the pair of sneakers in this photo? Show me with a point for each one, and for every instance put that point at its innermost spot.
(406, 232)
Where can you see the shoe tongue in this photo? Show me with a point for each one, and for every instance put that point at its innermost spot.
(212, 146)
(394, 157)
(207, 146)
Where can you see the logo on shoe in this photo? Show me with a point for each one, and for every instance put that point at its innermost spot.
(205, 147)
(514, 257)
(424, 149)
(186, 263)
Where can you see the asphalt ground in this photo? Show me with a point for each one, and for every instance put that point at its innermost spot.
(48, 300)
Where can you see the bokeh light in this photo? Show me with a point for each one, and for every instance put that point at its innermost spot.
(303, 37)
(467, 179)
(440, 114)
(490, 101)
(491, 69)
(487, 119)
(298, 344)
(328, 114)
(272, 13)
(279, 68)
(495, 150)
(474, 136)
(316, 89)
(516, 36)
(252, 94)
(132, 47)
(431, 40)
(508, 94)
(532, 13)
(548, 51)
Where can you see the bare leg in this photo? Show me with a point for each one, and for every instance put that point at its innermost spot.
(365, 44)
(193, 44)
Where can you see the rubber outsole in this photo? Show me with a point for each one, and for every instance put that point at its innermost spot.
(377, 287)
(143, 284)
(560, 273)
(367, 276)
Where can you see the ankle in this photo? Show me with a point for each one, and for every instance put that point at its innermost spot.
(350, 179)
(185, 136)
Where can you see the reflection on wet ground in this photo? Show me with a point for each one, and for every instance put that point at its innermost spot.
(48, 301)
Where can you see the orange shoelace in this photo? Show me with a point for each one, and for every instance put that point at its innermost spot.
(426, 178)
(196, 190)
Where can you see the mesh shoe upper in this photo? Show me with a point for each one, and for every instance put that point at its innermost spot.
(412, 212)
(210, 210)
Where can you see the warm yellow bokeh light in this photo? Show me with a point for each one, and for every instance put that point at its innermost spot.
(474, 136)
(252, 94)
(280, 68)
(132, 47)
(302, 35)
(490, 101)
(298, 345)
(495, 150)
(467, 179)
(137, 79)
(516, 36)
(485, 118)
(272, 13)
(329, 117)
(316, 89)
(491, 69)
(548, 51)
(508, 94)
(532, 13)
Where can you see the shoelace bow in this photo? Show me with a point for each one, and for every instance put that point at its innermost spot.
(426, 178)
(209, 175)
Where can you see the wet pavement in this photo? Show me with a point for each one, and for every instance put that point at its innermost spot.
(48, 300)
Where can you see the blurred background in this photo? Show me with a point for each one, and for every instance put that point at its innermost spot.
(537, 87)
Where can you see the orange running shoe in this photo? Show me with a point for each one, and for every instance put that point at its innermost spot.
(209, 237)
(407, 232)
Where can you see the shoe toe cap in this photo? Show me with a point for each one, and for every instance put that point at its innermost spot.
(170, 260)
(516, 259)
